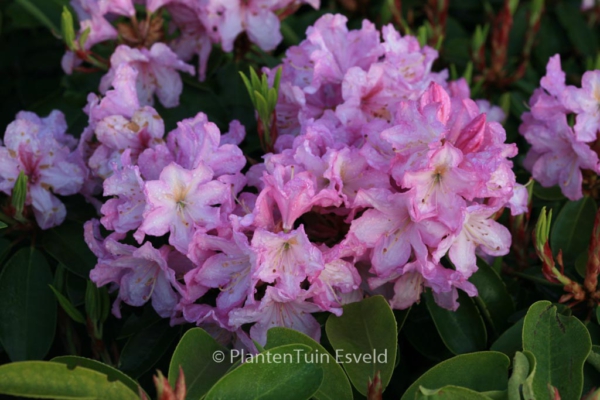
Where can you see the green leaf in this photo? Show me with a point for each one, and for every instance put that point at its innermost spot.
(520, 372)
(594, 357)
(2, 225)
(66, 25)
(51, 380)
(573, 227)
(249, 88)
(553, 193)
(262, 107)
(145, 348)
(511, 340)
(335, 384)
(194, 354)
(365, 328)
(493, 299)
(33, 8)
(579, 32)
(66, 244)
(111, 373)
(450, 393)
(483, 371)
(27, 306)
(278, 373)
(68, 307)
(560, 345)
(463, 330)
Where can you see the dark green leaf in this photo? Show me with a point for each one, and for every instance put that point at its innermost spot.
(578, 31)
(335, 384)
(279, 373)
(194, 354)
(560, 345)
(65, 243)
(511, 340)
(111, 373)
(572, 228)
(27, 306)
(365, 328)
(68, 307)
(463, 330)
(481, 372)
(594, 357)
(35, 7)
(50, 380)
(493, 299)
(145, 348)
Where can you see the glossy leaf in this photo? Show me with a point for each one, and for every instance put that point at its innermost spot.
(65, 243)
(291, 377)
(335, 384)
(463, 330)
(111, 373)
(367, 327)
(450, 393)
(145, 348)
(27, 306)
(194, 354)
(481, 372)
(572, 228)
(511, 340)
(51, 380)
(560, 345)
(68, 307)
(493, 299)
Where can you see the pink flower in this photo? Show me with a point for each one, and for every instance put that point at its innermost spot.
(286, 258)
(586, 103)
(40, 148)
(275, 310)
(181, 201)
(157, 73)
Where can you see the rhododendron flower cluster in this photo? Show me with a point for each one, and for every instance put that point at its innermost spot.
(384, 179)
(41, 149)
(562, 127)
(198, 25)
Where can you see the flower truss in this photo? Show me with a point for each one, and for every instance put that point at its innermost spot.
(385, 178)
(562, 128)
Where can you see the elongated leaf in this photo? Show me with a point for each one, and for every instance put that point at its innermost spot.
(27, 306)
(195, 353)
(50, 380)
(65, 243)
(493, 299)
(483, 371)
(278, 373)
(560, 345)
(33, 8)
(450, 393)
(111, 373)
(463, 330)
(145, 348)
(335, 384)
(2, 225)
(572, 229)
(68, 307)
(365, 341)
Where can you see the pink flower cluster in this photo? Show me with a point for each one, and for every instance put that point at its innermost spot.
(199, 25)
(382, 169)
(562, 127)
(41, 149)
